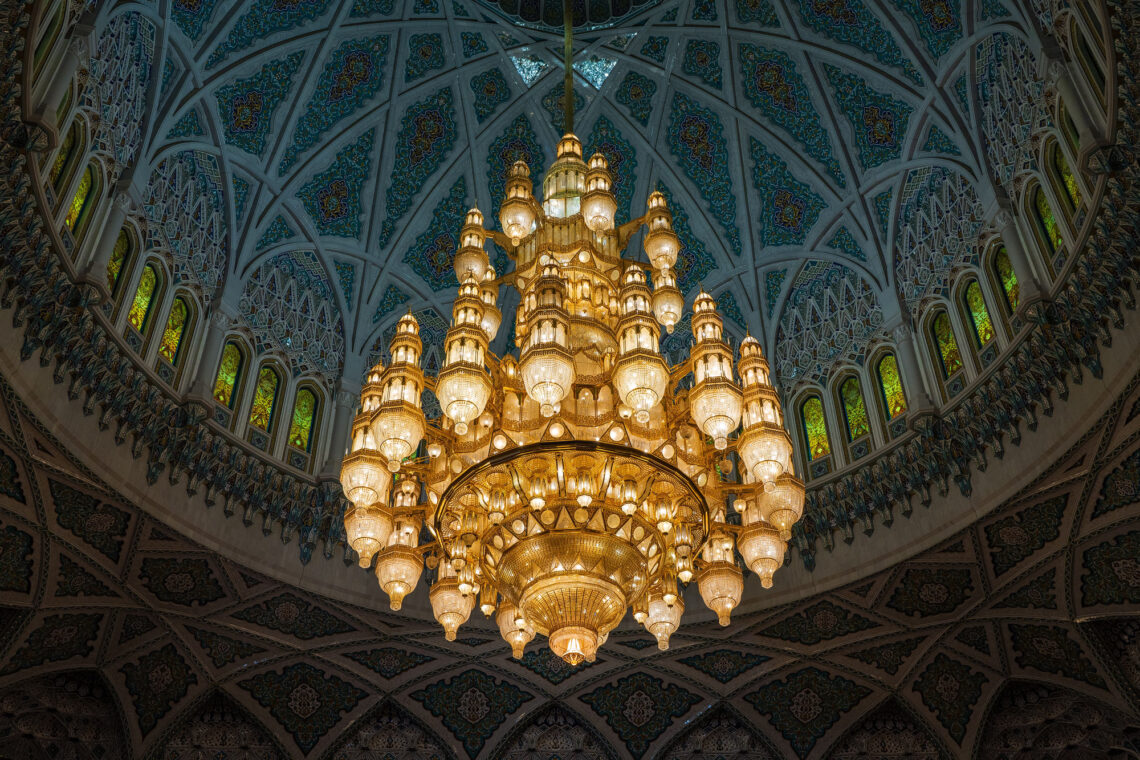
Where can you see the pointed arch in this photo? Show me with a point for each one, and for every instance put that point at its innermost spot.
(554, 731)
(46, 710)
(389, 728)
(888, 732)
(721, 732)
(217, 726)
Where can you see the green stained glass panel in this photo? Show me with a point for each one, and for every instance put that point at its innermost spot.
(118, 257)
(174, 330)
(79, 202)
(1008, 277)
(264, 399)
(890, 385)
(301, 427)
(854, 410)
(979, 314)
(815, 428)
(1047, 221)
(948, 353)
(229, 370)
(1070, 182)
(61, 159)
(144, 295)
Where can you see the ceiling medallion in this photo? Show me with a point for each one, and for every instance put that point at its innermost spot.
(568, 485)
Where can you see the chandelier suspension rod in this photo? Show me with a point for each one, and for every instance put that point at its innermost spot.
(568, 62)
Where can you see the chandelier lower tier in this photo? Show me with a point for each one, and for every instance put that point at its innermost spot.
(585, 476)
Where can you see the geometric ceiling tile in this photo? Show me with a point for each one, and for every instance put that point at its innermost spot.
(961, 89)
(605, 138)
(222, 650)
(10, 485)
(427, 134)
(989, 9)
(59, 637)
(757, 11)
(391, 299)
(1121, 488)
(1049, 649)
(636, 93)
(346, 274)
(595, 69)
(844, 242)
(550, 732)
(938, 141)
(773, 282)
(277, 231)
(263, 18)
(702, 60)
(134, 626)
(888, 657)
(187, 581)
(472, 705)
(1111, 571)
(694, 262)
(72, 579)
(655, 48)
(155, 683)
(878, 121)
(882, 203)
(100, 525)
(552, 102)
(306, 701)
(1015, 537)
(696, 138)
(294, 616)
(240, 196)
(931, 591)
(389, 731)
(937, 22)
(790, 208)
(217, 727)
(704, 10)
(639, 708)
(529, 66)
(727, 305)
(975, 638)
(186, 126)
(804, 705)
(517, 143)
(246, 106)
(473, 44)
(774, 88)
(191, 16)
(720, 733)
(724, 664)
(550, 666)
(430, 256)
(822, 621)
(950, 689)
(332, 197)
(491, 91)
(389, 661)
(850, 21)
(352, 75)
(1039, 593)
(425, 53)
(888, 731)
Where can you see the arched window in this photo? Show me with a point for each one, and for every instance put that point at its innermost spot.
(121, 254)
(815, 428)
(890, 387)
(1007, 278)
(1064, 177)
(82, 202)
(65, 158)
(229, 373)
(139, 315)
(1047, 227)
(304, 415)
(978, 314)
(1090, 64)
(949, 357)
(261, 413)
(48, 35)
(174, 334)
(1068, 128)
(854, 409)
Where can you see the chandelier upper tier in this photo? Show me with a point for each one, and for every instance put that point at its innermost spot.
(585, 476)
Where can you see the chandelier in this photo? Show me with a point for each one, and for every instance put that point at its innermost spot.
(585, 476)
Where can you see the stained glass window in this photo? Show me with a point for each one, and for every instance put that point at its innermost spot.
(890, 386)
(118, 258)
(948, 354)
(979, 314)
(304, 412)
(144, 298)
(1072, 192)
(815, 428)
(174, 331)
(50, 35)
(229, 371)
(1069, 128)
(77, 212)
(1008, 278)
(1046, 221)
(264, 399)
(63, 158)
(854, 410)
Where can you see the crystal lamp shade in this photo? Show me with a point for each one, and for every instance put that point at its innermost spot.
(721, 585)
(663, 617)
(548, 372)
(364, 477)
(463, 391)
(398, 570)
(514, 628)
(640, 378)
(715, 406)
(782, 504)
(763, 551)
(367, 527)
(399, 429)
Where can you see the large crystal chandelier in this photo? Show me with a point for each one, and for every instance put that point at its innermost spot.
(584, 476)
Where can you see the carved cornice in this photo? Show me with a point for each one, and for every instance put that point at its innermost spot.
(1063, 341)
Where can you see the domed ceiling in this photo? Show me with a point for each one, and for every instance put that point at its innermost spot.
(801, 144)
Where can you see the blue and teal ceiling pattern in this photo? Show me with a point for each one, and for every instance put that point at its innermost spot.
(808, 147)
